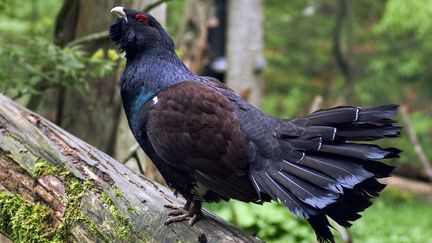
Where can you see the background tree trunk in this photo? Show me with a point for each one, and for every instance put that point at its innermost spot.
(86, 195)
(97, 116)
(93, 116)
(244, 49)
(345, 59)
(192, 38)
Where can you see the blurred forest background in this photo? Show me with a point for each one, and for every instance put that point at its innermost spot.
(56, 59)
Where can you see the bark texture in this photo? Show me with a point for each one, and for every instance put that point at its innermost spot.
(90, 197)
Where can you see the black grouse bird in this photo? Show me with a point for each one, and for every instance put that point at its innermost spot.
(209, 144)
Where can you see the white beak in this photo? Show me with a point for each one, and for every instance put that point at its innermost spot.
(119, 11)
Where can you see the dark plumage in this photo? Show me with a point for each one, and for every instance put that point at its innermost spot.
(209, 144)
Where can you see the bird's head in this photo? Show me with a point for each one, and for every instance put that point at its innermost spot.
(135, 31)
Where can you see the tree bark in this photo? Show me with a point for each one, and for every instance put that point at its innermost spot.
(90, 197)
(244, 49)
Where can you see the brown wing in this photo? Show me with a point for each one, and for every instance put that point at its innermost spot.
(194, 128)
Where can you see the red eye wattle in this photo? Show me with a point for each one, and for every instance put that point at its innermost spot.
(141, 18)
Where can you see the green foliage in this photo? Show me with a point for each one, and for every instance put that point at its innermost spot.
(398, 217)
(270, 222)
(29, 61)
(35, 65)
(27, 18)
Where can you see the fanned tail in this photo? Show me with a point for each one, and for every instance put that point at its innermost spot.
(323, 170)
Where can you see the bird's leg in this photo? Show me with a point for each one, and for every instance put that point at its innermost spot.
(191, 211)
(195, 212)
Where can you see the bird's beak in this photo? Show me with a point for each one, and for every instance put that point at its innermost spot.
(119, 11)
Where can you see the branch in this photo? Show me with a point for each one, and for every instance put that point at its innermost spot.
(62, 188)
(89, 38)
(154, 5)
(316, 103)
(415, 141)
(131, 153)
(419, 188)
(344, 15)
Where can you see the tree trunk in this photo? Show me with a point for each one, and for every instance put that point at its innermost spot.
(192, 38)
(54, 186)
(244, 49)
(94, 116)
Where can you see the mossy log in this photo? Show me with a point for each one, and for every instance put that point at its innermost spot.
(55, 188)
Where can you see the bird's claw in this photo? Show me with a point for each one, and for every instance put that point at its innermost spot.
(191, 212)
(172, 206)
(178, 211)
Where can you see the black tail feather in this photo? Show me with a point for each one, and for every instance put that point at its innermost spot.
(321, 226)
(378, 114)
(360, 151)
(368, 132)
(322, 172)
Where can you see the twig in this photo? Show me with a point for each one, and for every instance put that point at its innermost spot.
(419, 188)
(140, 168)
(415, 141)
(344, 61)
(89, 38)
(316, 103)
(344, 233)
(154, 5)
(132, 152)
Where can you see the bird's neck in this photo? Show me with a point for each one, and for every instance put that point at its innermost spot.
(146, 74)
(157, 69)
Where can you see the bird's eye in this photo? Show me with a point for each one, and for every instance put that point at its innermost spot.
(141, 18)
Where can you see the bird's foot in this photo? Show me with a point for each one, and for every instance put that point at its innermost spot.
(177, 210)
(191, 212)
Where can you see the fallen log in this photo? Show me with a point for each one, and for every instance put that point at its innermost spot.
(55, 187)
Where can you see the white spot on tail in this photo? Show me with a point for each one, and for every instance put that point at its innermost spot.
(334, 133)
(155, 100)
(256, 185)
(303, 155)
(357, 114)
(320, 144)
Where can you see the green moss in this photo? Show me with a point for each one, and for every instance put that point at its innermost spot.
(75, 190)
(26, 222)
(117, 192)
(30, 222)
(123, 227)
(131, 209)
(10, 137)
(43, 168)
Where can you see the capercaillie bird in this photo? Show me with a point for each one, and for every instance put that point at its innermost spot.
(209, 144)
